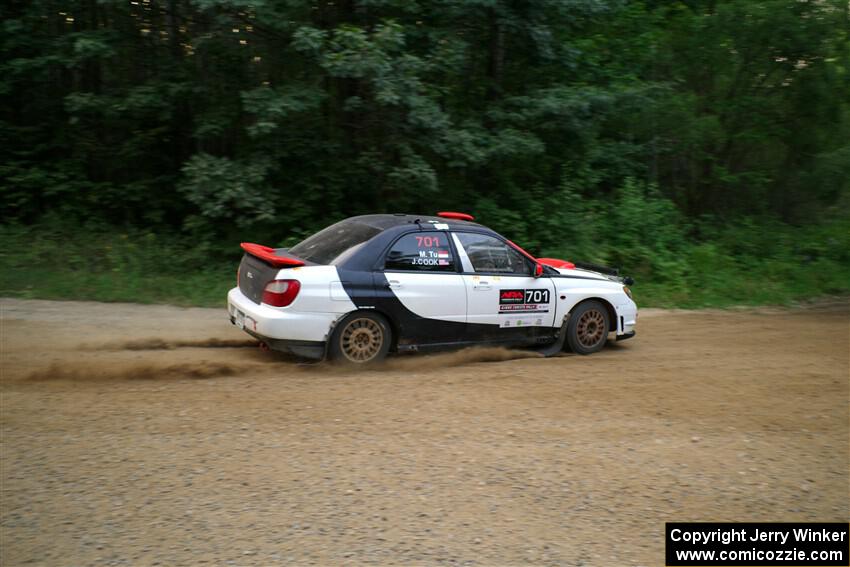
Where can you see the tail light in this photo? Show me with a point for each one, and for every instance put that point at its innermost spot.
(280, 293)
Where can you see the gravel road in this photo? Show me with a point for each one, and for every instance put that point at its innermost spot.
(154, 435)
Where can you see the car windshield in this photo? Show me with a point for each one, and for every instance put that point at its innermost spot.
(330, 244)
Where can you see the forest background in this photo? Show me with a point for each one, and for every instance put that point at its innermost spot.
(702, 146)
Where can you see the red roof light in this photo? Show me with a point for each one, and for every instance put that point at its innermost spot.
(456, 216)
(557, 263)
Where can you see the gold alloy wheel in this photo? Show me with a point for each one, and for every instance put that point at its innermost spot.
(361, 340)
(590, 329)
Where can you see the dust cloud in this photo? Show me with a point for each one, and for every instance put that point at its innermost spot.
(274, 362)
(163, 344)
(423, 362)
(117, 371)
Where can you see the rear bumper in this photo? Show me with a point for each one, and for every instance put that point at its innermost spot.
(279, 324)
(307, 349)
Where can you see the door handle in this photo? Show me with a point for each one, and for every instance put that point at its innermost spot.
(482, 285)
(393, 284)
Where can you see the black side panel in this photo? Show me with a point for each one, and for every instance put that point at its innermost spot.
(413, 328)
(369, 290)
(254, 274)
(359, 287)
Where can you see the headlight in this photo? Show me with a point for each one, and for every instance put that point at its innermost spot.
(627, 291)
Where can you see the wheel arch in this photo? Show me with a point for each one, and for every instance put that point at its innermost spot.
(612, 313)
(393, 325)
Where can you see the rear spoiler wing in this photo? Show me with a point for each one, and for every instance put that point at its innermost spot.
(277, 258)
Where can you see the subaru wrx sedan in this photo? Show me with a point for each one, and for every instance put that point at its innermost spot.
(374, 284)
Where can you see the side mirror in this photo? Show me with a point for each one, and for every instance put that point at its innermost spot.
(538, 270)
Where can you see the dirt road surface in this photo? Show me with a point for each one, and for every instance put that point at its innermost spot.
(153, 435)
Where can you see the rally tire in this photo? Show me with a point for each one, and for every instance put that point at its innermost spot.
(588, 327)
(360, 338)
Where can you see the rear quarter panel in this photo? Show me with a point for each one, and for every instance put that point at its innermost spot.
(322, 290)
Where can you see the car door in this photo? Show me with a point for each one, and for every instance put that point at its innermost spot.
(420, 287)
(505, 302)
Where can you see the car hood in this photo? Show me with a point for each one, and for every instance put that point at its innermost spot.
(582, 274)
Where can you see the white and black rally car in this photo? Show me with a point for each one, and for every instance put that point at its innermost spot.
(372, 284)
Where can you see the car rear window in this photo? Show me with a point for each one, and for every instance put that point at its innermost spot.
(329, 244)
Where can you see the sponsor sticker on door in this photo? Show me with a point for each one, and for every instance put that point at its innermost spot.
(523, 301)
(526, 321)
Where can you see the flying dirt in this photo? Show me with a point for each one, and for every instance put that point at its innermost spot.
(136, 435)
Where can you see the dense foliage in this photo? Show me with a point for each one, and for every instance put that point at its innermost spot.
(680, 140)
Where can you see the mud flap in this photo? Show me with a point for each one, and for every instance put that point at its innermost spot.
(558, 345)
(625, 336)
(327, 354)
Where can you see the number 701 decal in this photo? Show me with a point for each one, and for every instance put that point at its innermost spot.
(537, 296)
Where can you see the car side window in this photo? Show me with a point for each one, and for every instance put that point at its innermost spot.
(491, 255)
(421, 251)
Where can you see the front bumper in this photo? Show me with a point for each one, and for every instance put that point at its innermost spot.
(626, 319)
